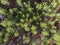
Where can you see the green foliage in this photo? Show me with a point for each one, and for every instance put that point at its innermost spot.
(2, 11)
(34, 19)
(4, 2)
(16, 34)
(26, 38)
(34, 43)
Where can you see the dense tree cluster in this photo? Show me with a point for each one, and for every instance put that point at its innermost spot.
(29, 22)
